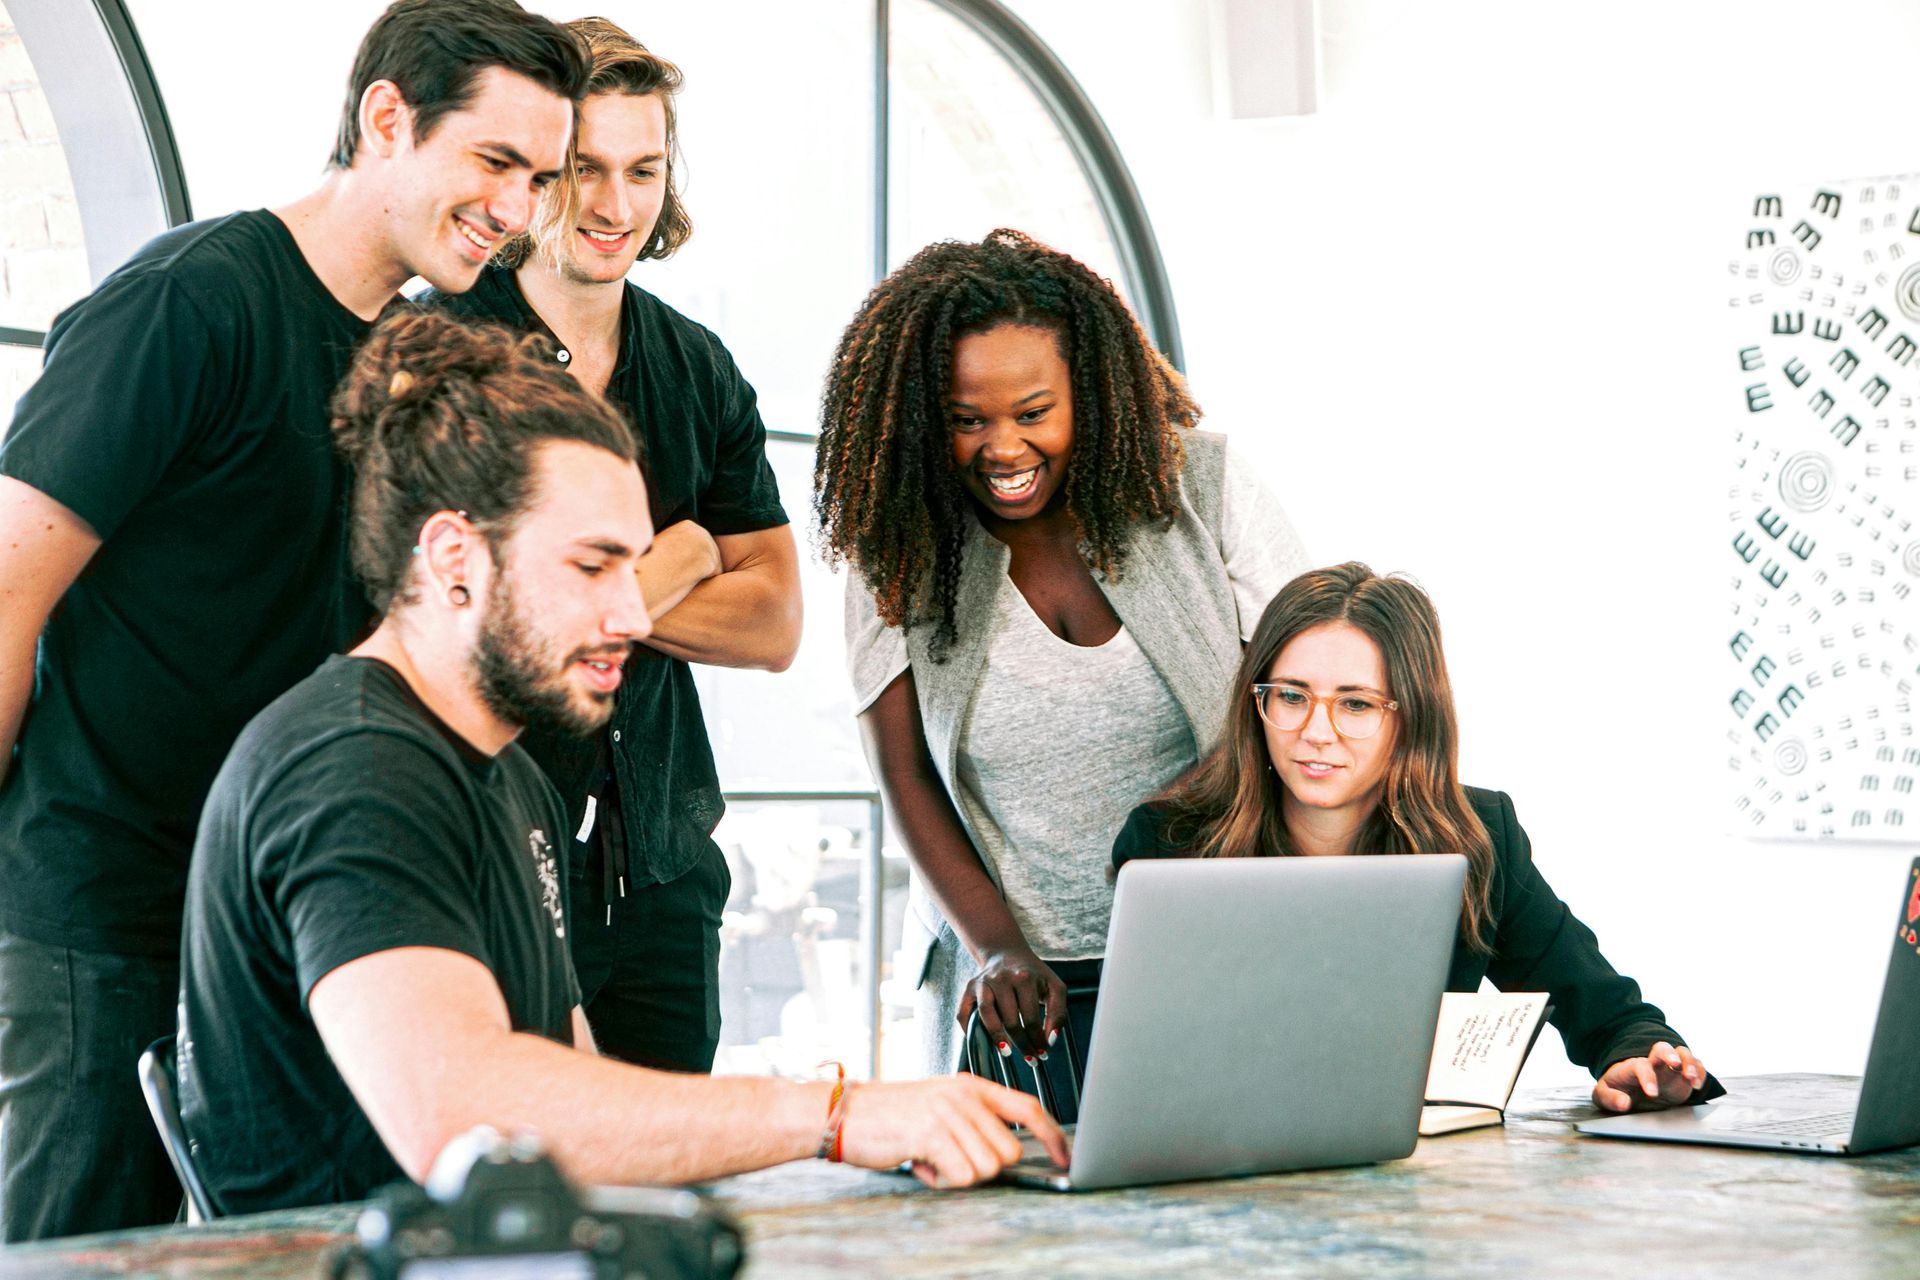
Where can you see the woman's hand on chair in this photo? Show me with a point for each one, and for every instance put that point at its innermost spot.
(1022, 1002)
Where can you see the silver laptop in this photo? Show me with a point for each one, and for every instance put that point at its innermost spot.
(1260, 1014)
(1884, 1114)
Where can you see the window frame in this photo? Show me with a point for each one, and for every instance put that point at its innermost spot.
(1142, 267)
(1144, 275)
(128, 183)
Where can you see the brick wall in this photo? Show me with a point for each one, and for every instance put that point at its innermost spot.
(43, 261)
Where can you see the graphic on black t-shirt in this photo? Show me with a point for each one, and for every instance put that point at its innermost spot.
(349, 822)
(545, 867)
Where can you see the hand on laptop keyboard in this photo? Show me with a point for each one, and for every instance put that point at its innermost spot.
(1666, 1077)
(951, 1129)
(1034, 1154)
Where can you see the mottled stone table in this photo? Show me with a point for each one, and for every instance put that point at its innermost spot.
(1533, 1199)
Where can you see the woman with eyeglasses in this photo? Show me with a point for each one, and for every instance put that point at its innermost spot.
(1341, 739)
(1052, 576)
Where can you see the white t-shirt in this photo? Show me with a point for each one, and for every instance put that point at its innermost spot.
(1060, 743)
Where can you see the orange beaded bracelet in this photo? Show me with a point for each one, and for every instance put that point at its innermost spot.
(836, 1115)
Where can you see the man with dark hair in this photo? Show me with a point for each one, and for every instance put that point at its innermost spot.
(723, 577)
(438, 66)
(172, 557)
(375, 956)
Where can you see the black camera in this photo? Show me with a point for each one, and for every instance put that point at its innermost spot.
(499, 1208)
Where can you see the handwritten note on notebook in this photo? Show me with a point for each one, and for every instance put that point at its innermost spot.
(1478, 1049)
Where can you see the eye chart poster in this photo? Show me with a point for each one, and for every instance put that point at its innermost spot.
(1821, 383)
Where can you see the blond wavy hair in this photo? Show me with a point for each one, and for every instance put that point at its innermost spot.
(621, 64)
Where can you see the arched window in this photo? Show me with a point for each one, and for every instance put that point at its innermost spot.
(90, 171)
(985, 127)
(976, 125)
(821, 150)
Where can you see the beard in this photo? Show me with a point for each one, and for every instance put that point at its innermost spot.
(582, 272)
(522, 681)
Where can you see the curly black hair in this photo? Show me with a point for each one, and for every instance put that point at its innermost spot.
(886, 497)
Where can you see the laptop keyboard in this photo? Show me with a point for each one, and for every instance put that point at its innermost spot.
(1034, 1158)
(1820, 1126)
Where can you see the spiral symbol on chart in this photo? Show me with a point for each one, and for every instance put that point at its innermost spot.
(1806, 481)
(1910, 558)
(1906, 294)
(1785, 267)
(1790, 757)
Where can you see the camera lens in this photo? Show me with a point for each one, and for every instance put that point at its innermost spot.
(517, 1221)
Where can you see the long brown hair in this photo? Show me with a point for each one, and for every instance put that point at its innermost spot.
(621, 65)
(1228, 805)
(885, 493)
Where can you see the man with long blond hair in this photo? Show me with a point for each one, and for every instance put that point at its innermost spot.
(172, 558)
(722, 579)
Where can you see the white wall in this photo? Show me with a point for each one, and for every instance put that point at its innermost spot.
(776, 194)
(1471, 318)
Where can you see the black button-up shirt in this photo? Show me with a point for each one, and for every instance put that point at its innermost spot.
(651, 773)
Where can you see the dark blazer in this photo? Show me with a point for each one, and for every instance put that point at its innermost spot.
(1538, 945)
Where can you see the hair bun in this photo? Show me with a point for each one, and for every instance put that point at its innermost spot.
(413, 360)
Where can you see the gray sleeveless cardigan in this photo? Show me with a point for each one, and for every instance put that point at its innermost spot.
(1173, 595)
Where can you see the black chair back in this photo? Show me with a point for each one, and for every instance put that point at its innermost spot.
(1056, 1082)
(161, 1088)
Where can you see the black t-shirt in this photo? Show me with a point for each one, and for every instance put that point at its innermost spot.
(706, 461)
(349, 820)
(182, 414)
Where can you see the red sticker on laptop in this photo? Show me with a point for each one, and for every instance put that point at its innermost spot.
(1912, 935)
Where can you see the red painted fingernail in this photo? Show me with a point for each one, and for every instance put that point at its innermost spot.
(1005, 1052)
(1053, 1035)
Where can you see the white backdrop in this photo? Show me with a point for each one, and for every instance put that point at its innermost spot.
(1467, 316)
(1471, 317)
(778, 193)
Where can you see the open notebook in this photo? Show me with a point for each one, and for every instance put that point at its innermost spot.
(1478, 1049)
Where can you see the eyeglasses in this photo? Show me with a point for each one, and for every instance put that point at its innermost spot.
(1354, 715)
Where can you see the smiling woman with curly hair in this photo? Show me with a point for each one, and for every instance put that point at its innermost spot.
(1053, 572)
